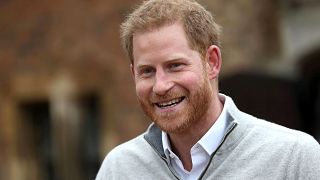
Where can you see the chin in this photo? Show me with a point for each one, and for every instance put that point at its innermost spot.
(173, 125)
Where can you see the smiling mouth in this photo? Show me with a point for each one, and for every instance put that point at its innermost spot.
(170, 103)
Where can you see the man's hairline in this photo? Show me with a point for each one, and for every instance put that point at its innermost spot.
(164, 24)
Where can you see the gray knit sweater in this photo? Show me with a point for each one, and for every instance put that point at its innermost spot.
(251, 149)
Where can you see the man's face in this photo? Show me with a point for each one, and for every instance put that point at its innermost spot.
(171, 82)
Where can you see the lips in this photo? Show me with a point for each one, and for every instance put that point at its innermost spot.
(171, 103)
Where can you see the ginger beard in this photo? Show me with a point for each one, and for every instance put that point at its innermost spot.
(195, 107)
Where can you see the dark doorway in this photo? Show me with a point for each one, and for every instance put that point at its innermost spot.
(309, 67)
(89, 135)
(268, 97)
(35, 137)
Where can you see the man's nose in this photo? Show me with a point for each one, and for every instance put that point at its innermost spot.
(162, 83)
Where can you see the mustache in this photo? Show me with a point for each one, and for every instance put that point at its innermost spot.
(170, 95)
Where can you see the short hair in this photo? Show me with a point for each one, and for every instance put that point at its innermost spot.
(201, 29)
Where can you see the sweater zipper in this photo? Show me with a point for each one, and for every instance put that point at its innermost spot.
(223, 140)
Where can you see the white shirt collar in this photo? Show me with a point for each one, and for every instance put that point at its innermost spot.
(166, 144)
(211, 140)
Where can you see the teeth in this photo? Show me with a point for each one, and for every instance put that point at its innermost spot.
(170, 103)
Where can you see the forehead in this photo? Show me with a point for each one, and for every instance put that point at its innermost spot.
(175, 31)
(166, 38)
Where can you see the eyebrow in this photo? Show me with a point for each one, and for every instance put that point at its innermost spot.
(142, 66)
(175, 58)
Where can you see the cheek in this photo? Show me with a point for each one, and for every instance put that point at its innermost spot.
(142, 89)
(191, 80)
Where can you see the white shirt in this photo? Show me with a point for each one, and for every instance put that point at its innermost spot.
(203, 149)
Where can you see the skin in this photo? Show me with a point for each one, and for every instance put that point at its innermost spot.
(167, 71)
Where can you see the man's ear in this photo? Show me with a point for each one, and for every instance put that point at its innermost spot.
(213, 61)
(132, 72)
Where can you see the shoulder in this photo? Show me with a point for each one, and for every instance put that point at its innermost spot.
(299, 150)
(133, 154)
(248, 125)
(280, 132)
(257, 132)
(265, 132)
(280, 137)
(262, 132)
(127, 150)
(119, 156)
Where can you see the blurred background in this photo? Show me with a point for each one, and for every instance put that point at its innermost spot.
(67, 96)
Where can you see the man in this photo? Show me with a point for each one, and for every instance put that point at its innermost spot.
(197, 133)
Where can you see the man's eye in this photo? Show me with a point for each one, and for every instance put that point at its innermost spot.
(146, 71)
(176, 66)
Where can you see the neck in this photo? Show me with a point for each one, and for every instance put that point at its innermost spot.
(182, 142)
